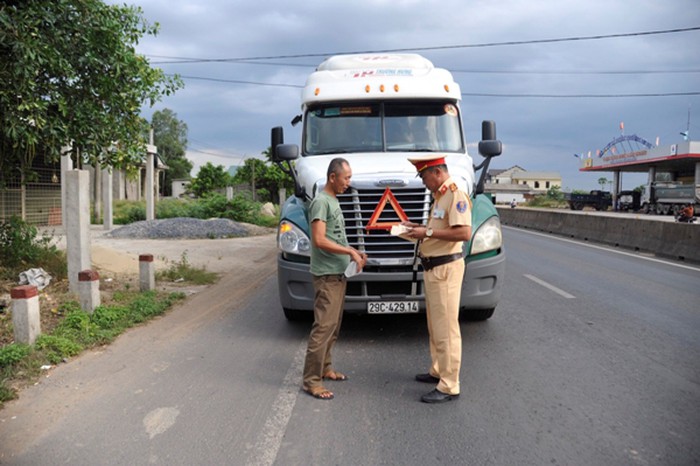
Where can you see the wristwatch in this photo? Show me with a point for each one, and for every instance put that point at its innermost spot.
(428, 232)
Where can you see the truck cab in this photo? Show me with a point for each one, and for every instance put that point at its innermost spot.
(376, 111)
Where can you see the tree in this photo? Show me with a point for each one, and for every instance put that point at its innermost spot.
(269, 178)
(70, 73)
(209, 179)
(602, 181)
(554, 193)
(170, 136)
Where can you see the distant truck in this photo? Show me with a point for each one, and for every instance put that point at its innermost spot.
(599, 200)
(670, 198)
(629, 201)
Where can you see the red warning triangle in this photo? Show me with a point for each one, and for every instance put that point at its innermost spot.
(389, 197)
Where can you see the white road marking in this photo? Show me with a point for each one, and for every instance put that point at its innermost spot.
(550, 287)
(603, 248)
(265, 450)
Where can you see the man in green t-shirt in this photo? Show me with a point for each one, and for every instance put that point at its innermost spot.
(330, 256)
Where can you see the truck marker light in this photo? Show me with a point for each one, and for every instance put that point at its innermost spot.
(367, 88)
(396, 88)
(381, 88)
(317, 91)
(447, 88)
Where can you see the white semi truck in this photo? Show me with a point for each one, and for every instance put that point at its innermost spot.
(376, 111)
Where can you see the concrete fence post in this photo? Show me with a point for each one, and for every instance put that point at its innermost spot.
(147, 273)
(89, 290)
(25, 313)
(77, 225)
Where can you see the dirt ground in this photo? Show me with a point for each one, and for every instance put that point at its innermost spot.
(117, 262)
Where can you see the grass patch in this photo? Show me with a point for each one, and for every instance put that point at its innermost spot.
(78, 331)
(182, 270)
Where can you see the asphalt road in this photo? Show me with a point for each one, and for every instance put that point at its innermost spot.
(592, 358)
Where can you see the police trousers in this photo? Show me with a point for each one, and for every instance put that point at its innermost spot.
(443, 287)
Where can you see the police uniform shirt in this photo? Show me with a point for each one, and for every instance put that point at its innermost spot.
(326, 208)
(452, 207)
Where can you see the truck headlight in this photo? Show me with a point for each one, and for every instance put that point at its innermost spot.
(291, 239)
(488, 237)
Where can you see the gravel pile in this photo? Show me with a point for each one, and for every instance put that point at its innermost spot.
(181, 227)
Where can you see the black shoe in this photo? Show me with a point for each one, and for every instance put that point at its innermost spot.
(436, 396)
(427, 378)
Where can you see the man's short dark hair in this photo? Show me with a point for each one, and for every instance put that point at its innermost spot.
(336, 166)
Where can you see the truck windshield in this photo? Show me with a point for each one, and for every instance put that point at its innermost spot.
(426, 126)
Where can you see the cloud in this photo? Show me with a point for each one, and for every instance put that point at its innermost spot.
(539, 133)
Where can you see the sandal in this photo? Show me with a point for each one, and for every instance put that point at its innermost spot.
(319, 392)
(335, 375)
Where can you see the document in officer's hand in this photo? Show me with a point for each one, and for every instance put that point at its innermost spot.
(398, 229)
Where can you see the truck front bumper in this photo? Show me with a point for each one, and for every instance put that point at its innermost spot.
(481, 288)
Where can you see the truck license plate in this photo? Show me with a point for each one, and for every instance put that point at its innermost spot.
(392, 307)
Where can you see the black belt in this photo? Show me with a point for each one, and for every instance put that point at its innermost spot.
(432, 262)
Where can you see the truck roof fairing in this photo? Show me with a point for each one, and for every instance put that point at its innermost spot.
(378, 76)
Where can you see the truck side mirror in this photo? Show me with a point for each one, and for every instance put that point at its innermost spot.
(286, 152)
(489, 146)
(276, 138)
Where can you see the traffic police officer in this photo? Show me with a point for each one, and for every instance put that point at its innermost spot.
(440, 250)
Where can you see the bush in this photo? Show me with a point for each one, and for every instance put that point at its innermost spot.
(126, 212)
(78, 330)
(21, 250)
(240, 209)
(13, 353)
(57, 348)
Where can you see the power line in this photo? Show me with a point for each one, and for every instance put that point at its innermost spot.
(236, 81)
(472, 94)
(569, 72)
(443, 47)
(579, 96)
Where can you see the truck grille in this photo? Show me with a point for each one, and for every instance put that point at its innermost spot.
(384, 252)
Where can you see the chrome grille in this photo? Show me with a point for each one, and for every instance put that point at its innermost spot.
(383, 250)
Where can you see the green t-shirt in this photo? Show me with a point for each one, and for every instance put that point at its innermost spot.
(325, 208)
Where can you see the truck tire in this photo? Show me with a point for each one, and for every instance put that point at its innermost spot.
(295, 315)
(475, 315)
(577, 206)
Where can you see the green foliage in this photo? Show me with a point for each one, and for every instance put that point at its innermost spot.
(17, 245)
(56, 348)
(126, 212)
(554, 193)
(183, 270)
(240, 209)
(553, 198)
(13, 353)
(170, 136)
(79, 330)
(209, 179)
(20, 249)
(268, 177)
(71, 73)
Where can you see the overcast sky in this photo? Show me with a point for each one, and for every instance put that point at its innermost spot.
(231, 120)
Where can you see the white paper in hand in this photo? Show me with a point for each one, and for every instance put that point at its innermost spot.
(351, 269)
(399, 229)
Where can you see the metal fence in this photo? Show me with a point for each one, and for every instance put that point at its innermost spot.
(37, 201)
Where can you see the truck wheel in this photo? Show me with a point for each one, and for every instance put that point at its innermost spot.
(476, 315)
(296, 315)
(577, 206)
